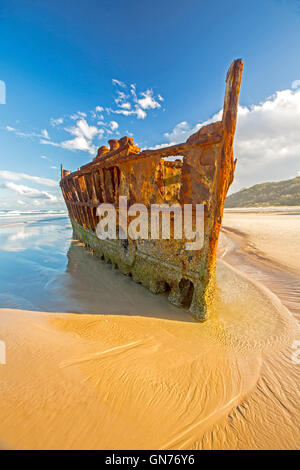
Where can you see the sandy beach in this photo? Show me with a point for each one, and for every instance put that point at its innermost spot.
(264, 244)
(94, 361)
(272, 236)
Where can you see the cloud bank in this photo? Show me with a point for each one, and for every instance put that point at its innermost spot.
(267, 140)
(29, 192)
(11, 175)
(36, 196)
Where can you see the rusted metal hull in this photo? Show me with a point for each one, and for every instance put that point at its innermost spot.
(202, 177)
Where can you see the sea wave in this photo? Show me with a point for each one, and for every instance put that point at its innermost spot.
(27, 213)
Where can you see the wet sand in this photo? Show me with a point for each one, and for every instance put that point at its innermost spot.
(270, 236)
(265, 246)
(142, 374)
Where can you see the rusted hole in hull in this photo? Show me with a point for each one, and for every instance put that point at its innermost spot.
(166, 287)
(186, 288)
(168, 177)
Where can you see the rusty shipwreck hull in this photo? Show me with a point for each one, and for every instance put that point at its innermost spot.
(203, 176)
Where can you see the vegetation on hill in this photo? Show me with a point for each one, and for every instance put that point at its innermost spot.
(281, 193)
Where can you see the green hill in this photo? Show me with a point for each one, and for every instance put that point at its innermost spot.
(281, 193)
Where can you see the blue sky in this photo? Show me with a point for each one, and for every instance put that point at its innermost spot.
(78, 73)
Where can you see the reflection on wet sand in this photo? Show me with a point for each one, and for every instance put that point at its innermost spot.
(53, 273)
(96, 287)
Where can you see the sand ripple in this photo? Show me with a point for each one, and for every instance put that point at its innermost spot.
(154, 379)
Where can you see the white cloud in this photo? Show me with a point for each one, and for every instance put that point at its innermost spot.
(183, 129)
(56, 122)
(140, 113)
(133, 92)
(125, 105)
(83, 129)
(46, 158)
(148, 101)
(179, 134)
(121, 97)
(114, 125)
(54, 167)
(13, 176)
(78, 115)
(95, 112)
(296, 84)
(45, 134)
(29, 192)
(78, 143)
(22, 203)
(129, 102)
(118, 82)
(267, 142)
(83, 137)
(159, 146)
(49, 142)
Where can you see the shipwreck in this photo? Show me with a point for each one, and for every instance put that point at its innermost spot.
(199, 172)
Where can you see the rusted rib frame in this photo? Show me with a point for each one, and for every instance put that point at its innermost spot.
(71, 188)
(83, 204)
(108, 179)
(90, 193)
(87, 182)
(80, 197)
(85, 198)
(95, 199)
(65, 190)
(94, 196)
(84, 189)
(96, 178)
(76, 198)
(116, 183)
(102, 184)
(82, 186)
